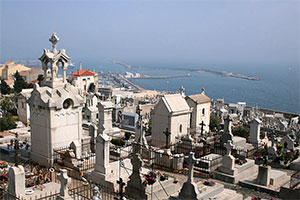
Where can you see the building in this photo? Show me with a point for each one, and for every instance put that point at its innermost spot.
(55, 109)
(85, 80)
(173, 113)
(8, 69)
(200, 116)
(23, 107)
(31, 75)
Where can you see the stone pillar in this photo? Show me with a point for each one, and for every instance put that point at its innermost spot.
(64, 69)
(64, 181)
(263, 177)
(102, 153)
(16, 176)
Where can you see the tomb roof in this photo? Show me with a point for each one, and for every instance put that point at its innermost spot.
(175, 103)
(199, 98)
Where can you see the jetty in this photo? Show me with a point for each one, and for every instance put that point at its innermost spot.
(221, 73)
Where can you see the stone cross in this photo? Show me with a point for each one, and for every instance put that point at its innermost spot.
(121, 185)
(64, 181)
(227, 125)
(96, 194)
(54, 39)
(192, 161)
(228, 147)
(167, 133)
(202, 127)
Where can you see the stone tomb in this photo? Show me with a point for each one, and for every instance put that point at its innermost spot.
(267, 180)
(231, 172)
(192, 190)
(16, 185)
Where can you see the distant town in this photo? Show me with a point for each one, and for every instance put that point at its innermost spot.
(96, 135)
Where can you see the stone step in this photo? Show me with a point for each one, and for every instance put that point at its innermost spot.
(171, 189)
(228, 194)
(209, 191)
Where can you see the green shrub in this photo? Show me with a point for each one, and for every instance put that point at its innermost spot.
(241, 131)
(118, 142)
(127, 135)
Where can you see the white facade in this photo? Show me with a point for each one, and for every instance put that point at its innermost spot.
(170, 112)
(84, 78)
(200, 105)
(55, 110)
(23, 106)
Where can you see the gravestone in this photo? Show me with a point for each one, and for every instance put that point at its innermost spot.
(76, 146)
(254, 137)
(227, 134)
(189, 189)
(16, 180)
(102, 154)
(272, 150)
(64, 181)
(263, 177)
(228, 159)
(135, 187)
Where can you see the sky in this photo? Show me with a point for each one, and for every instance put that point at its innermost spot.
(211, 31)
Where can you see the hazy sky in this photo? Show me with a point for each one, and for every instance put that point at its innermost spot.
(209, 31)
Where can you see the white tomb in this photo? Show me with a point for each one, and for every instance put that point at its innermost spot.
(55, 108)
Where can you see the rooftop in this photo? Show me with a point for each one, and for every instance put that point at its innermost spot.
(83, 72)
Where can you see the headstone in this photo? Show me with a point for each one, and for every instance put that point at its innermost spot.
(227, 135)
(189, 189)
(76, 146)
(254, 137)
(16, 176)
(228, 159)
(135, 187)
(102, 153)
(272, 150)
(263, 177)
(64, 181)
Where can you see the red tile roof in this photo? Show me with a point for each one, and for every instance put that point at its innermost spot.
(83, 72)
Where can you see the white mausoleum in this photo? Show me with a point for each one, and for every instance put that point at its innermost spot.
(55, 108)
(170, 112)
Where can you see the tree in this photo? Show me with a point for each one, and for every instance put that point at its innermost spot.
(92, 87)
(4, 88)
(40, 79)
(19, 83)
(8, 106)
(7, 122)
(214, 123)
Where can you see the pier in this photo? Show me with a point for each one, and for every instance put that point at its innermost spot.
(222, 73)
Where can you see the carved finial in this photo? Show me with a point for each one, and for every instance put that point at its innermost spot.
(54, 39)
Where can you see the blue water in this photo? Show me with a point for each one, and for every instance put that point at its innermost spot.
(278, 88)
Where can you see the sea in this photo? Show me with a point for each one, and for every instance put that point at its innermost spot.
(277, 89)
